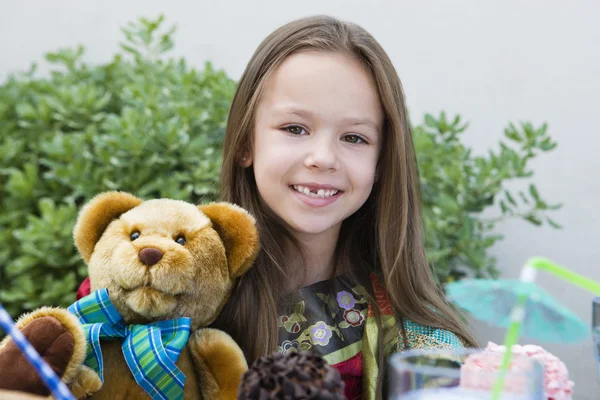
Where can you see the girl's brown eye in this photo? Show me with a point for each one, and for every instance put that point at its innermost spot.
(134, 235)
(295, 129)
(180, 239)
(353, 139)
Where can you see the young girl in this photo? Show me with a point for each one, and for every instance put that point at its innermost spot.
(318, 148)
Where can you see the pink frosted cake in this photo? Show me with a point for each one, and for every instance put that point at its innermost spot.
(557, 385)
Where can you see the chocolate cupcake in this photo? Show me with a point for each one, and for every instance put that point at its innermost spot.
(291, 376)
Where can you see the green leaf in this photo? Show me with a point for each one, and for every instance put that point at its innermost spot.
(430, 121)
(542, 129)
(547, 145)
(534, 193)
(130, 49)
(512, 133)
(436, 255)
(553, 224)
(510, 198)
(26, 111)
(555, 206)
(533, 219)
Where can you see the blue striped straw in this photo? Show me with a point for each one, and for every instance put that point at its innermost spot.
(57, 387)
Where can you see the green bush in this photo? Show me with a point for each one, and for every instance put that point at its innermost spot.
(154, 127)
(140, 123)
(457, 187)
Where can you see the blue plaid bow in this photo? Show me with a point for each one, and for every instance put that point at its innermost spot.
(150, 350)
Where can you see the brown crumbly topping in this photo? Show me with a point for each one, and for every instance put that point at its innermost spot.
(292, 376)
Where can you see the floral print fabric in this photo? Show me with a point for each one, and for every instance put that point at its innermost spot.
(324, 317)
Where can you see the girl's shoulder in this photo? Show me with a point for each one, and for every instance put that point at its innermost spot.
(418, 336)
(428, 337)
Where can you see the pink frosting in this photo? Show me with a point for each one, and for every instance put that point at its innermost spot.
(556, 376)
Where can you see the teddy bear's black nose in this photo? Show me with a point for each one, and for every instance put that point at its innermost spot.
(150, 256)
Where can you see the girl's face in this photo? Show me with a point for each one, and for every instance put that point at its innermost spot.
(316, 141)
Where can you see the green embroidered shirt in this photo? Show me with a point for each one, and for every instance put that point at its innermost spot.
(333, 319)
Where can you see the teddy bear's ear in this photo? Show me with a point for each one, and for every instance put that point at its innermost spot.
(95, 217)
(238, 231)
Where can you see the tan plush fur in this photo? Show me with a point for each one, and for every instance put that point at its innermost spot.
(191, 280)
(218, 353)
(86, 383)
(236, 228)
(71, 323)
(94, 217)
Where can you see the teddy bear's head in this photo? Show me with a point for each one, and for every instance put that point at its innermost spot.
(163, 259)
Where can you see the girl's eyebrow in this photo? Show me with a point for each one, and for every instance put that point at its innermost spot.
(351, 121)
(293, 111)
(365, 122)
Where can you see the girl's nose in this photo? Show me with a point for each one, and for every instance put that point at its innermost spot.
(322, 156)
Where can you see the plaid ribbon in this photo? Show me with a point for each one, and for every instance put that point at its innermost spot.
(150, 350)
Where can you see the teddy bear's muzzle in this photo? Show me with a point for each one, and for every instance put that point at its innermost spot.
(150, 255)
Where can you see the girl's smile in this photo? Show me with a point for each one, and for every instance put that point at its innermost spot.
(316, 195)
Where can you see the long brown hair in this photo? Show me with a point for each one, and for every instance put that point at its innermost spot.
(384, 236)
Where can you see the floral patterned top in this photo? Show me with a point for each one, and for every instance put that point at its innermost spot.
(332, 318)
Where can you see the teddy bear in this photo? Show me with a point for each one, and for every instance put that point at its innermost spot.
(160, 272)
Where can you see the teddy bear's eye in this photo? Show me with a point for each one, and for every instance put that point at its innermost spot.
(134, 235)
(180, 239)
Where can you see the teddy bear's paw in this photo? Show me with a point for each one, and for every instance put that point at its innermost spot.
(219, 362)
(85, 383)
(52, 340)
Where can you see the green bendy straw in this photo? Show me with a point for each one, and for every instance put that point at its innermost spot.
(528, 274)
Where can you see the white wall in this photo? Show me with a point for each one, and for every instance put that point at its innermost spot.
(492, 61)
